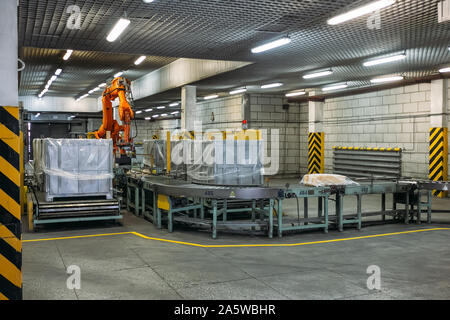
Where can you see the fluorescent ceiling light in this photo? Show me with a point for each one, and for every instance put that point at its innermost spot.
(175, 112)
(384, 60)
(148, 110)
(272, 45)
(68, 54)
(175, 104)
(211, 97)
(91, 91)
(44, 91)
(155, 116)
(361, 11)
(271, 85)
(96, 89)
(148, 118)
(295, 94)
(119, 27)
(139, 112)
(160, 107)
(335, 87)
(444, 70)
(101, 85)
(58, 72)
(118, 74)
(148, 1)
(49, 82)
(238, 91)
(47, 86)
(317, 74)
(139, 60)
(387, 79)
(37, 115)
(53, 78)
(164, 114)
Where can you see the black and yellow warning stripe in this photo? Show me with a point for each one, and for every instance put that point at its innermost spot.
(439, 157)
(368, 149)
(316, 152)
(10, 204)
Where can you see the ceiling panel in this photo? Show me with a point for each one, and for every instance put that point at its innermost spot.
(81, 73)
(227, 30)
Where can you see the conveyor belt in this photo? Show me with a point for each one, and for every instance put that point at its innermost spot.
(74, 208)
(178, 188)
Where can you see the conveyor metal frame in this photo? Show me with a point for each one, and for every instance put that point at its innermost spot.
(45, 212)
(218, 196)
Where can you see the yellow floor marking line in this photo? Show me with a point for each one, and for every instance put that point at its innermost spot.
(240, 245)
(79, 237)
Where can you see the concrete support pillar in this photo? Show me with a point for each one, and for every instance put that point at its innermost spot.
(188, 107)
(438, 166)
(316, 137)
(315, 114)
(8, 53)
(11, 159)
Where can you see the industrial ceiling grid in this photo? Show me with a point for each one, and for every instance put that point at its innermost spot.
(228, 29)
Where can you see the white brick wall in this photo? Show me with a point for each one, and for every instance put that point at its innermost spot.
(385, 118)
(227, 112)
(266, 112)
(146, 129)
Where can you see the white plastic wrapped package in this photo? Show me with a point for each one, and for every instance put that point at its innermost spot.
(226, 162)
(74, 167)
(155, 155)
(325, 180)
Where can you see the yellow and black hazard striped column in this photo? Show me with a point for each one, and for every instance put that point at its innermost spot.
(10, 205)
(316, 152)
(439, 157)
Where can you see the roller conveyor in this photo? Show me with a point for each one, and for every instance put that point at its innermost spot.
(45, 212)
(207, 206)
(179, 188)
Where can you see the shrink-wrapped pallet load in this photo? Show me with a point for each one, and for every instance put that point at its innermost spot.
(74, 167)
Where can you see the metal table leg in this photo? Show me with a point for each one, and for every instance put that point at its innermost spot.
(419, 206)
(305, 210)
(214, 231)
(155, 209)
(407, 208)
(280, 218)
(429, 197)
(253, 210)
(225, 208)
(359, 209)
(325, 205)
(271, 218)
(202, 209)
(143, 206)
(158, 219)
(339, 211)
(320, 201)
(136, 201)
(261, 210)
(170, 216)
(128, 197)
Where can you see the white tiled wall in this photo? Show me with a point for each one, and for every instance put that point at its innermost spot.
(387, 118)
(266, 112)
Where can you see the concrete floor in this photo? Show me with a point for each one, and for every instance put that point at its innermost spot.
(413, 265)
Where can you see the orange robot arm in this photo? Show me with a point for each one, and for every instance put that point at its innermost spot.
(119, 88)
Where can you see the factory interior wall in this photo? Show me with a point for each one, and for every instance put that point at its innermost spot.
(396, 117)
(147, 129)
(267, 112)
(390, 118)
(223, 113)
